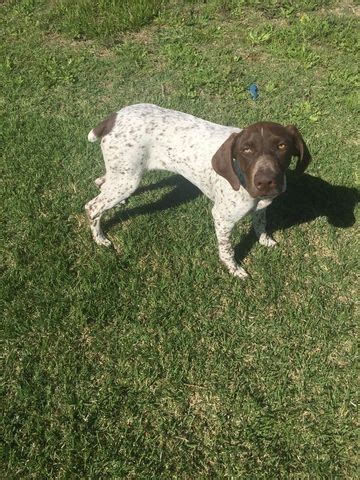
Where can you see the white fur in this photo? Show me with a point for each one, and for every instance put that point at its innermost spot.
(92, 137)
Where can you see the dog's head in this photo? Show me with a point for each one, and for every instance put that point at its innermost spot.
(259, 156)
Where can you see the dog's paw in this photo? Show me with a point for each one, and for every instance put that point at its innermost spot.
(102, 240)
(240, 273)
(266, 240)
(99, 181)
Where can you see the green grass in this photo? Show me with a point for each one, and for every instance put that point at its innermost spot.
(153, 362)
(104, 19)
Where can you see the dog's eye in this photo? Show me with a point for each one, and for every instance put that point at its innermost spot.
(282, 146)
(247, 149)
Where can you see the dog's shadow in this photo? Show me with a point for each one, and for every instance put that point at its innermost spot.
(305, 199)
(183, 192)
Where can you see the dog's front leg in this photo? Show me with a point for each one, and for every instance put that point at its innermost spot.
(259, 224)
(223, 229)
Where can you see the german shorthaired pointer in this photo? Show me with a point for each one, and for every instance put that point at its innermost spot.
(241, 171)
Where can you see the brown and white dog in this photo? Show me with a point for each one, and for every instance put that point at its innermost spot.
(240, 170)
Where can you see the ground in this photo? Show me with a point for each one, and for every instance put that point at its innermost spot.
(151, 361)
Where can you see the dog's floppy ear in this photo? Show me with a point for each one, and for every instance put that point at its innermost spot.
(222, 161)
(300, 150)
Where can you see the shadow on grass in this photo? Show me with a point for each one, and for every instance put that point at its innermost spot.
(183, 192)
(306, 199)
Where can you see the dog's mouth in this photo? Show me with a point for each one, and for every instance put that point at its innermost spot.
(269, 193)
(268, 197)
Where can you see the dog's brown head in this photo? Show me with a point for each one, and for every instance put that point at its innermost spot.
(260, 154)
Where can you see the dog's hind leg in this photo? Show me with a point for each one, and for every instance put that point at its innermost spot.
(112, 194)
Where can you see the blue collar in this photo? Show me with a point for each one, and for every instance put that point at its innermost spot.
(239, 173)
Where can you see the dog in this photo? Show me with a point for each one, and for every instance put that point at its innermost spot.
(240, 170)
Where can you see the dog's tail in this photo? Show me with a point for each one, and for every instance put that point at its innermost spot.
(92, 137)
(103, 128)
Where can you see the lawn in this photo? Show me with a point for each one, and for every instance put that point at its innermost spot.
(151, 361)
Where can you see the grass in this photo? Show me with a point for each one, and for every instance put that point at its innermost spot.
(103, 19)
(154, 362)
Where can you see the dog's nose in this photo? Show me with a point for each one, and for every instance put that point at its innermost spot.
(266, 181)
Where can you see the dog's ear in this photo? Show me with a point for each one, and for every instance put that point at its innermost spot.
(222, 161)
(300, 150)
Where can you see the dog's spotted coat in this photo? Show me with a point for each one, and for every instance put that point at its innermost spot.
(146, 137)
